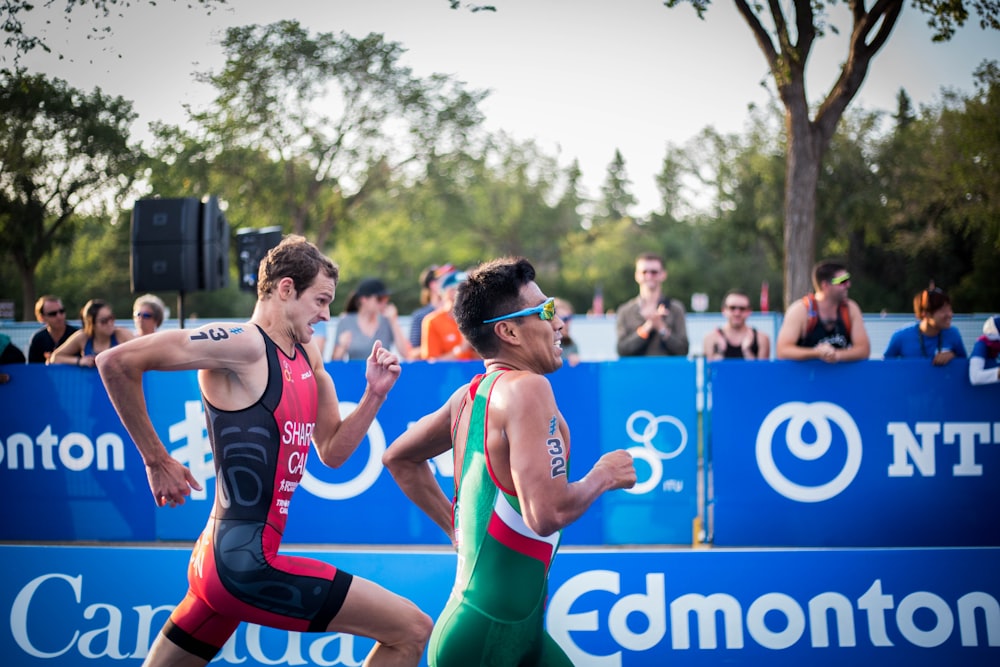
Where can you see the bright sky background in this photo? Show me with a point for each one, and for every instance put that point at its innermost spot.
(581, 77)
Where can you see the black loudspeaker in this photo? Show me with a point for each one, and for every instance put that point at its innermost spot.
(251, 246)
(179, 245)
(165, 239)
(215, 246)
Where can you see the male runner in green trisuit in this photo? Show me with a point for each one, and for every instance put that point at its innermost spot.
(513, 496)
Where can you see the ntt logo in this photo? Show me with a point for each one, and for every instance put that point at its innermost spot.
(821, 418)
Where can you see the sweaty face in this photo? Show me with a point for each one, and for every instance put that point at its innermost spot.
(312, 306)
(542, 338)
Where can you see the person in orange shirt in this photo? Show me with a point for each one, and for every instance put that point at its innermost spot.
(440, 337)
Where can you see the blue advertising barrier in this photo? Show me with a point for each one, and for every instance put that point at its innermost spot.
(74, 465)
(648, 407)
(895, 453)
(102, 606)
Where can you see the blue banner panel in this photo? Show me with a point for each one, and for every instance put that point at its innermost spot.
(648, 407)
(102, 606)
(73, 463)
(67, 463)
(875, 453)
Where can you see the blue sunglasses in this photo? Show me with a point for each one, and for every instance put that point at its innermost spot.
(545, 310)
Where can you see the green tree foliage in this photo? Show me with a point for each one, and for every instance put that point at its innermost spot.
(616, 195)
(465, 210)
(308, 127)
(63, 152)
(941, 185)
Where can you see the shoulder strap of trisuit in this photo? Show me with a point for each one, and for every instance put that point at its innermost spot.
(476, 427)
(845, 315)
(812, 314)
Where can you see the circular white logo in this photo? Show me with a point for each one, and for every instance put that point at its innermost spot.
(352, 487)
(817, 415)
(644, 427)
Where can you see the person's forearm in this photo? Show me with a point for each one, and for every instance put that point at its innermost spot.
(351, 431)
(796, 353)
(419, 484)
(979, 375)
(126, 395)
(855, 353)
(64, 358)
(546, 520)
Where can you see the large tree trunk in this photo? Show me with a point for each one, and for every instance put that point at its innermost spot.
(28, 291)
(787, 51)
(802, 164)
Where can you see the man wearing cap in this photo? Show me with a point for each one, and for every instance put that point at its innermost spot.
(440, 338)
(369, 316)
(984, 362)
(430, 299)
(824, 325)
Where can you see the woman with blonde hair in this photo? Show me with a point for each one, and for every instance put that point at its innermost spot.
(148, 312)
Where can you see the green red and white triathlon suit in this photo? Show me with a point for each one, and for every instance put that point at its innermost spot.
(495, 614)
(235, 573)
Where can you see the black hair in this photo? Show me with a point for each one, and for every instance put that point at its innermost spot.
(492, 289)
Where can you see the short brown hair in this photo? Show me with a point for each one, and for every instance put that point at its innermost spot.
(294, 258)
(824, 272)
(930, 301)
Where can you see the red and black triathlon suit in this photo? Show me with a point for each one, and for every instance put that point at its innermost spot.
(235, 573)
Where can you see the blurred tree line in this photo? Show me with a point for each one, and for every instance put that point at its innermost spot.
(331, 137)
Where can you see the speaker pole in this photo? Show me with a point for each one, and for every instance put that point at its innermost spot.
(180, 308)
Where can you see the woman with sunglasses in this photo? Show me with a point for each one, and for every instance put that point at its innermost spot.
(148, 311)
(932, 337)
(99, 333)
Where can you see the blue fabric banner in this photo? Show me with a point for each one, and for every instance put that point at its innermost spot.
(103, 606)
(73, 463)
(895, 453)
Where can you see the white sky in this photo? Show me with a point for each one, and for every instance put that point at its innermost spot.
(581, 77)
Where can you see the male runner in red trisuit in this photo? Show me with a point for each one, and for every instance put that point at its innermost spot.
(267, 397)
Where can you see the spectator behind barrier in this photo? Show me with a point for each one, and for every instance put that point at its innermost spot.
(440, 338)
(932, 336)
(50, 311)
(99, 334)
(826, 324)
(651, 324)
(9, 353)
(570, 350)
(369, 316)
(430, 300)
(734, 339)
(984, 364)
(148, 312)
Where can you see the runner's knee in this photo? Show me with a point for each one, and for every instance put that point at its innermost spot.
(415, 627)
